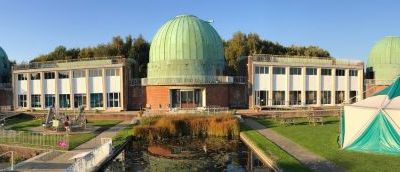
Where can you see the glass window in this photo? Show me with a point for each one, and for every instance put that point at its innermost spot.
(22, 77)
(339, 72)
(96, 100)
(35, 100)
(49, 75)
(257, 70)
(339, 97)
(35, 76)
(63, 74)
(113, 100)
(65, 101)
(278, 71)
(49, 100)
(353, 96)
(326, 97)
(95, 72)
(326, 71)
(295, 71)
(22, 101)
(353, 72)
(311, 97)
(295, 97)
(278, 97)
(261, 98)
(311, 71)
(262, 70)
(79, 100)
(79, 73)
(112, 72)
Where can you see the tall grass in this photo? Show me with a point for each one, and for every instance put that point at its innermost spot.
(173, 126)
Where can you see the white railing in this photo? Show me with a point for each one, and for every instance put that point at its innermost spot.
(93, 158)
(378, 82)
(191, 80)
(31, 139)
(306, 60)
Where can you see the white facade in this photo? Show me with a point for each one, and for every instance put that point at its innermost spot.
(97, 85)
(298, 81)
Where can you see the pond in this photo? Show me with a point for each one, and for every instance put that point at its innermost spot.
(185, 154)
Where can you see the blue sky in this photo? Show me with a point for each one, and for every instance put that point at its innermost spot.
(347, 29)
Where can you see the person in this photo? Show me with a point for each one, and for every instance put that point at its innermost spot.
(66, 125)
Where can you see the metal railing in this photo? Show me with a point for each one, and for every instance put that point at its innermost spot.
(93, 158)
(378, 82)
(191, 80)
(31, 139)
(305, 60)
(53, 64)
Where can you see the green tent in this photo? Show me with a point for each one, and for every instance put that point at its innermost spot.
(372, 125)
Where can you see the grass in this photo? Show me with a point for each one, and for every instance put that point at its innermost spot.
(322, 140)
(284, 160)
(120, 137)
(23, 122)
(77, 139)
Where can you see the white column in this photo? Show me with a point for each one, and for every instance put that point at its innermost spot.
(71, 89)
(56, 96)
(28, 95)
(360, 90)
(104, 89)
(287, 86)
(87, 89)
(319, 85)
(303, 86)
(42, 99)
(271, 80)
(333, 94)
(347, 84)
(15, 89)
(122, 90)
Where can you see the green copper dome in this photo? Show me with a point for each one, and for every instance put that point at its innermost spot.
(185, 47)
(4, 66)
(384, 58)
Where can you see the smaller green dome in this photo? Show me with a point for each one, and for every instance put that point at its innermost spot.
(384, 58)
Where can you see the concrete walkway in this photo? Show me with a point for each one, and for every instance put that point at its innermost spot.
(307, 158)
(60, 160)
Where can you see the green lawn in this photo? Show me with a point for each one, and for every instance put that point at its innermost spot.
(22, 122)
(322, 140)
(77, 139)
(285, 161)
(122, 135)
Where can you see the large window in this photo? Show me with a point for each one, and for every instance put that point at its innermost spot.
(311, 97)
(295, 71)
(261, 70)
(49, 100)
(63, 74)
(339, 97)
(35, 100)
(95, 72)
(112, 72)
(96, 100)
(353, 96)
(113, 100)
(261, 98)
(278, 98)
(22, 77)
(22, 100)
(79, 73)
(35, 76)
(65, 101)
(326, 71)
(353, 72)
(279, 70)
(79, 100)
(295, 97)
(339, 72)
(49, 75)
(326, 97)
(311, 71)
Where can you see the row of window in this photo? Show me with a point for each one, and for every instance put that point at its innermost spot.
(113, 100)
(297, 71)
(278, 97)
(75, 74)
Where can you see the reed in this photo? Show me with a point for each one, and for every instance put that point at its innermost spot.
(174, 126)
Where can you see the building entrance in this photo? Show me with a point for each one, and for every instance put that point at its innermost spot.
(186, 98)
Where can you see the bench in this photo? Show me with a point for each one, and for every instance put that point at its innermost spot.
(287, 121)
(316, 119)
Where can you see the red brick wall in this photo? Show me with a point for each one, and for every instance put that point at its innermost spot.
(156, 96)
(6, 97)
(217, 95)
(136, 97)
(372, 89)
(250, 83)
(238, 96)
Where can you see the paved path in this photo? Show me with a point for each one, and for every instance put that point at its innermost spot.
(309, 159)
(58, 160)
